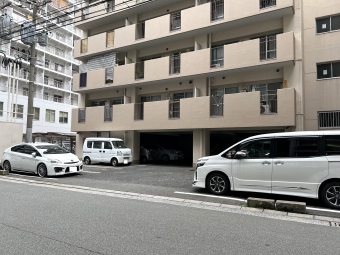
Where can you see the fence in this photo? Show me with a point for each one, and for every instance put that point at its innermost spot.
(268, 104)
(175, 64)
(268, 47)
(81, 115)
(217, 56)
(267, 3)
(174, 109)
(217, 9)
(139, 71)
(216, 105)
(108, 113)
(175, 21)
(139, 111)
(329, 120)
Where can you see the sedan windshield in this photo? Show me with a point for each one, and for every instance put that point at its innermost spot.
(51, 149)
(119, 144)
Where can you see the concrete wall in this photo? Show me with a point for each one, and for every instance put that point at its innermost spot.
(11, 134)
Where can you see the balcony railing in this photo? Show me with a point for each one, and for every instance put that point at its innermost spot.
(268, 102)
(175, 64)
(174, 109)
(110, 6)
(268, 47)
(139, 71)
(81, 115)
(329, 120)
(175, 21)
(217, 9)
(217, 56)
(140, 31)
(216, 105)
(267, 3)
(108, 113)
(139, 111)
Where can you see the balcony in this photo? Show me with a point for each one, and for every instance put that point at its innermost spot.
(239, 57)
(191, 113)
(202, 19)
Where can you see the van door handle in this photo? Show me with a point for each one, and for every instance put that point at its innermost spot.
(100, 151)
(266, 163)
(279, 163)
(103, 151)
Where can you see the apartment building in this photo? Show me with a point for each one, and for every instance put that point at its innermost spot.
(54, 97)
(214, 70)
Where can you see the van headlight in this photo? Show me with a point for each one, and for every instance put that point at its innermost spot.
(201, 162)
(119, 153)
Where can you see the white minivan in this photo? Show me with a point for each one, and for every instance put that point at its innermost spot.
(305, 164)
(106, 150)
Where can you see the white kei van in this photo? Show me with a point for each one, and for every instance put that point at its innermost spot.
(106, 150)
(305, 164)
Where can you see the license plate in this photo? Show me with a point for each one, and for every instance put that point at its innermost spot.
(126, 161)
(73, 169)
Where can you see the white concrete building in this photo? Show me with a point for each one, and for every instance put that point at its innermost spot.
(53, 97)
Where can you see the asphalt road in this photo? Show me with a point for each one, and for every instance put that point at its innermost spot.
(41, 220)
(163, 180)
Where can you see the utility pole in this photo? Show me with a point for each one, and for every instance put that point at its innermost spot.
(30, 109)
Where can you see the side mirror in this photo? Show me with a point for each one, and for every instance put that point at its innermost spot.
(34, 154)
(240, 155)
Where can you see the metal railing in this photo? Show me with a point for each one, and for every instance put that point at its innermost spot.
(329, 120)
(175, 21)
(174, 109)
(139, 72)
(17, 54)
(216, 105)
(61, 38)
(108, 113)
(81, 115)
(268, 47)
(217, 56)
(175, 64)
(268, 103)
(217, 9)
(267, 3)
(58, 52)
(140, 31)
(139, 111)
(110, 6)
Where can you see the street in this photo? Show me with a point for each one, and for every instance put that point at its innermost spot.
(43, 220)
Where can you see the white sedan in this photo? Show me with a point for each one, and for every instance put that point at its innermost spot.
(43, 159)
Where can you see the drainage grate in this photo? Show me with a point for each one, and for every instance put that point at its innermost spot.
(334, 224)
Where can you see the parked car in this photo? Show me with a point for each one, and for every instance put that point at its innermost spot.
(106, 150)
(305, 164)
(151, 152)
(44, 159)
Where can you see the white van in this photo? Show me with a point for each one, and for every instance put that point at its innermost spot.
(106, 150)
(305, 164)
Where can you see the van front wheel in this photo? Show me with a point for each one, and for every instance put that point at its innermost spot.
(114, 162)
(330, 195)
(87, 161)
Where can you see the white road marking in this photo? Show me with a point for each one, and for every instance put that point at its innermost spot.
(91, 172)
(204, 195)
(47, 178)
(323, 210)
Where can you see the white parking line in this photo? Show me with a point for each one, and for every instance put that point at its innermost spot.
(47, 178)
(91, 172)
(204, 195)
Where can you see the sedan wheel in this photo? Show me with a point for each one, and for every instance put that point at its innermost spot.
(7, 166)
(218, 184)
(330, 195)
(42, 170)
(165, 158)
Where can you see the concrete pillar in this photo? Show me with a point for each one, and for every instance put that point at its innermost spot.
(201, 144)
(82, 100)
(80, 137)
(202, 86)
(201, 42)
(132, 140)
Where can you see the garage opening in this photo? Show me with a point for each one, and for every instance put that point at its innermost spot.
(170, 148)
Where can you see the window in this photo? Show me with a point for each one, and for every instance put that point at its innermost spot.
(231, 153)
(217, 9)
(329, 70)
(118, 101)
(36, 113)
(89, 145)
(256, 149)
(1, 108)
(25, 91)
(268, 47)
(99, 103)
(19, 148)
(332, 143)
(119, 145)
(29, 150)
(329, 120)
(97, 145)
(175, 21)
(50, 116)
(107, 146)
(328, 24)
(83, 79)
(267, 3)
(111, 6)
(232, 90)
(217, 56)
(297, 147)
(63, 117)
(19, 110)
(46, 80)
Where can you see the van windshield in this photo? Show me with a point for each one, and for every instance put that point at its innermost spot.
(119, 144)
(51, 149)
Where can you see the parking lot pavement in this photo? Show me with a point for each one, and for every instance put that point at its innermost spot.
(163, 180)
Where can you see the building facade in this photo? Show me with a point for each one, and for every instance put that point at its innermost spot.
(54, 97)
(217, 70)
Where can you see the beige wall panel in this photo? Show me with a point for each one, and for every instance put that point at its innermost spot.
(156, 69)
(107, 27)
(107, 94)
(195, 62)
(76, 49)
(195, 17)
(125, 36)
(96, 43)
(156, 113)
(95, 79)
(124, 74)
(96, 11)
(76, 82)
(158, 27)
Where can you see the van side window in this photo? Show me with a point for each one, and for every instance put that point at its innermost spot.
(97, 145)
(231, 153)
(89, 145)
(332, 145)
(256, 149)
(107, 146)
(297, 147)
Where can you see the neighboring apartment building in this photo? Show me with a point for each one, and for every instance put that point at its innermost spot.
(206, 68)
(54, 97)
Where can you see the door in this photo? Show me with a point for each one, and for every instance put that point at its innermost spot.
(107, 152)
(96, 154)
(298, 166)
(255, 171)
(29, 163)
(17, 153)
